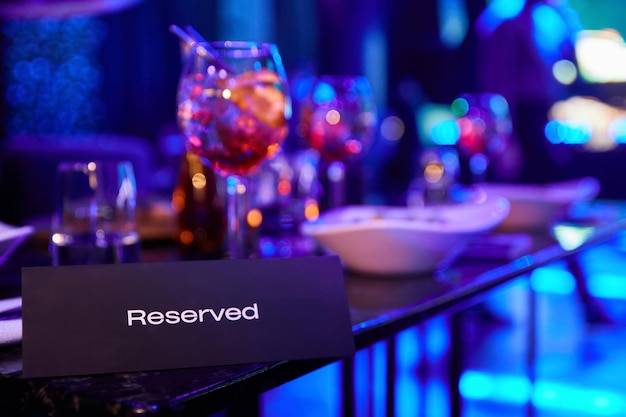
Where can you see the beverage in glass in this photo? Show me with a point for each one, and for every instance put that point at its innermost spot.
(233, 108)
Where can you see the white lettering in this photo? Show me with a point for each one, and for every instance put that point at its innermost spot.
(136, 315)
(201, 314)
(156, 317)
(254, 309)
(189, 316)
(172, 317)
(233, 314)
(217, 317)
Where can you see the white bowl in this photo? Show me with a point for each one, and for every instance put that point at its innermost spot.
(399, 240)
(534, 207)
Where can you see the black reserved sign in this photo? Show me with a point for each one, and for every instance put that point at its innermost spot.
(93, 319)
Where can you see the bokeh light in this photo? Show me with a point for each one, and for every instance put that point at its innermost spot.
(433, 172)
(311, 210)
(333, 117)
(445, 133)
(392, 128)
(460, 107)
(565, 71)
(198, 181)
(254, 218)
(567, 132)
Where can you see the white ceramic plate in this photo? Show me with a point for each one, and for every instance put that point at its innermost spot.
(399, 240)
(534, 207)
(11, 237)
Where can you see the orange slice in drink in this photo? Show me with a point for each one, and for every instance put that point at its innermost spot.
(259, 92)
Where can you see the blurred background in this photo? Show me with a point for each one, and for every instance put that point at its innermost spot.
(100, 77)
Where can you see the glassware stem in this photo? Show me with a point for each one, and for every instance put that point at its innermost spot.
(336, 184)
(236, 206)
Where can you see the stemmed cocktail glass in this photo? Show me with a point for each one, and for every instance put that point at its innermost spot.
(338, 119)
(233, 108)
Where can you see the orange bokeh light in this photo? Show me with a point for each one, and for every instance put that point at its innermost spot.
(311, 210)
(254, 218)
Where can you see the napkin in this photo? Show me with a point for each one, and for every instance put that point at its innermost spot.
(10, 331)
(10, 326)
(11, 237)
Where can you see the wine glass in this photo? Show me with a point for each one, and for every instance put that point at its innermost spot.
(484, 130)
(233, 108)
(338, 119)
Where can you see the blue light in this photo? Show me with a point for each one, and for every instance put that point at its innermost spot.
(549, 31)
(446, 132)
(498, 105)
(617, 130)
(553, 279)
(407, 395)
(453, 22)
(379, 350)
(606, 285)
(506, 9)
(269, 248)
(326, 400)
(363, 86)
(361, 380)
(513, 389)
(438, 398)
(567, 132)
(544, 395)
(408, 349)
(476, 385)
(564, 397)
(479, 163)
(231, 185)
(301, 88)
(496, 12)
(620, 241)
(324, 93)
(437, 339)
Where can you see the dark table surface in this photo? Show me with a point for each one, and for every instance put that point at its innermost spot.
(380, 307)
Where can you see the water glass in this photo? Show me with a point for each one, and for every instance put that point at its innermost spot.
(94, 217)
